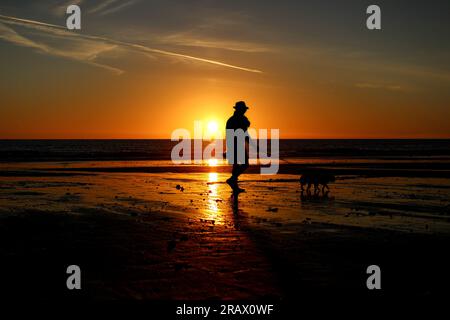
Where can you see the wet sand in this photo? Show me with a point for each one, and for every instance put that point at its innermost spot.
(135, 235)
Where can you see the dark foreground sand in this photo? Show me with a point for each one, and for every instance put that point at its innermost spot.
(136, 236)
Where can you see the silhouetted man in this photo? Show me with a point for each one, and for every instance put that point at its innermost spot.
(238, 121)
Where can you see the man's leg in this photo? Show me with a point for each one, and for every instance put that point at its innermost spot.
(232, 181)
(238, 169)
(236, 172)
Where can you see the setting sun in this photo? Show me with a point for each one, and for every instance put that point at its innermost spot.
(212, 128)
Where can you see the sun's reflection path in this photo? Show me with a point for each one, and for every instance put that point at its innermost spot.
(214, 200)
(213, 176)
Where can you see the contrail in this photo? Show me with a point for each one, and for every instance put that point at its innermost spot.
(32, 22)
(137, 47)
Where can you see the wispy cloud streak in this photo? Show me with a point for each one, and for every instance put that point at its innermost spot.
(366, 85)
(61, 9)
(88, 54)
(102, 5)
(61, 31)
(119, 7)
(187, 40)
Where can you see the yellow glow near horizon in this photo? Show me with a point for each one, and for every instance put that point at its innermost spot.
(213, 162)
(212, 128)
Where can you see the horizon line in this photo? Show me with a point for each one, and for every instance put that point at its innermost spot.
(299, 138)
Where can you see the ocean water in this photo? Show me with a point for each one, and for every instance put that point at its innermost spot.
(122, 150)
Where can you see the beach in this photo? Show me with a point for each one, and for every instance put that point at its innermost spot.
(150, 230)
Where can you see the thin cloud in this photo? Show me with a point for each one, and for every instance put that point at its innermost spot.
(87, 56)
(12, 36)
(188, 40)
(379, 86)
(61, 9)
(61, 31)
(118, 8)
(102, 5)
(111, 6)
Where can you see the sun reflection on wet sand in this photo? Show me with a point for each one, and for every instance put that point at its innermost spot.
(213, 176)
(213, 210)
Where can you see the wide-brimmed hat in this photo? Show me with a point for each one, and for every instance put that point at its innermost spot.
(240, 105)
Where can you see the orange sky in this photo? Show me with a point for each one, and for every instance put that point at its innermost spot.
(366, 85)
